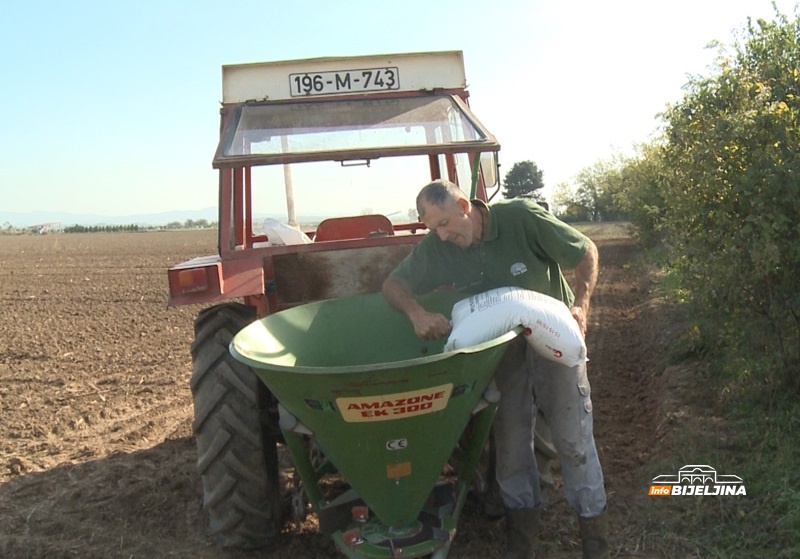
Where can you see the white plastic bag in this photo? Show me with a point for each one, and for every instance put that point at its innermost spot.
(550, 328)
(279, 234)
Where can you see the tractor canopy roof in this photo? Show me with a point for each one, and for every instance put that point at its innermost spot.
(347, 109)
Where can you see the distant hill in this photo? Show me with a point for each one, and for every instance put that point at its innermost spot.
(28, 219)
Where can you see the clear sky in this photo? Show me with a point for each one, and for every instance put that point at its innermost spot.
(111, 107)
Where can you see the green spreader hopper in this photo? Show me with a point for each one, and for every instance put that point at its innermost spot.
(388, 411)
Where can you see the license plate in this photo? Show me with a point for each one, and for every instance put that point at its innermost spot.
(344, 81)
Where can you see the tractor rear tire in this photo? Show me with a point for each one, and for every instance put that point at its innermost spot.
(236, 439)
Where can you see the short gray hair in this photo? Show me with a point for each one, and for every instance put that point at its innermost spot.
(440, 192)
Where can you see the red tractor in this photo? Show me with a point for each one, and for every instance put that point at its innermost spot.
(309, 130)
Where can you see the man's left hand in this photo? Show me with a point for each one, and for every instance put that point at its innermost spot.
(580, 317)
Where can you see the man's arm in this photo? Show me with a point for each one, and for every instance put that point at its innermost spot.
(427, 325)
(585, 280)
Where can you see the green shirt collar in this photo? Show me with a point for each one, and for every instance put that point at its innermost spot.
(492, 234)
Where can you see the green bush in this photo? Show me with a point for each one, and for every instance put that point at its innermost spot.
(721, 191)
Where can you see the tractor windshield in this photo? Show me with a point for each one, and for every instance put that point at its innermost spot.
(350, 129)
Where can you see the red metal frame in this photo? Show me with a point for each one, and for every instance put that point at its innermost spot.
(244, 270)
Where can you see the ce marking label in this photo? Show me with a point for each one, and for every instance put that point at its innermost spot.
(396, 444)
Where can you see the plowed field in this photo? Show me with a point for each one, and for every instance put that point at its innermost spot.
(97, 457)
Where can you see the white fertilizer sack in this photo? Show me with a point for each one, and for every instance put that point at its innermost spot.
(550, 328)
(280, 234)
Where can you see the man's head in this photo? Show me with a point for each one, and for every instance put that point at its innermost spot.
(444, 209)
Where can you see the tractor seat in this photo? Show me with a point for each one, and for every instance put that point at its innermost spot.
(354, 227)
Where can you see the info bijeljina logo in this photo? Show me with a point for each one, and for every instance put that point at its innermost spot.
(695, 479)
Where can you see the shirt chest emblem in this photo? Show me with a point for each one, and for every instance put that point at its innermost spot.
(518, 268)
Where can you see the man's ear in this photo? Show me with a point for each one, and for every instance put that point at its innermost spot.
(464, 203)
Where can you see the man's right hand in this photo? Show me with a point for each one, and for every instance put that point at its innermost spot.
(427, 325)
(430, 326)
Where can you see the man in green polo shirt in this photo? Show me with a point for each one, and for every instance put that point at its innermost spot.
(472, 247)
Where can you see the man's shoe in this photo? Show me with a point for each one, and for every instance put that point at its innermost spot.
(522, 529)
(594, 535)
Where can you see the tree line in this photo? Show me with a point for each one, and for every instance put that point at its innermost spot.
(592, 200)
(8, 228)
(188, 224)
(716, 196)
(100, 228)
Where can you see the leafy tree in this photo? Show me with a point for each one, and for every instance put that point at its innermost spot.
(566, 205)
(588, 191)
(731, 214)
(524, 179)
(599, 188)
(574, 212)
(641, 194)
(562, 197)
